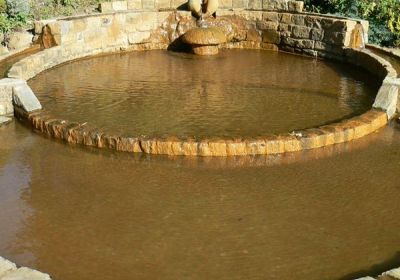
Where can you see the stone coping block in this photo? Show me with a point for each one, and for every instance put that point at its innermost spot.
(6, 95)
(24, 97)
(395, 53)
(387, 98)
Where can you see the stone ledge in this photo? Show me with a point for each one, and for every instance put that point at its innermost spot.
(81, 133)
(9, 271)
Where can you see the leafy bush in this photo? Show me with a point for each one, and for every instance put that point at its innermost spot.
(16, 13)
(3, 6)
(17, 8)
(383, 15)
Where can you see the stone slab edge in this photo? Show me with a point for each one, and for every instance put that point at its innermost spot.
(10, 271)
(16, 93)
(395, 53)
(393, 274)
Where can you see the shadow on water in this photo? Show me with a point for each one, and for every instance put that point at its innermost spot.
(376, 269)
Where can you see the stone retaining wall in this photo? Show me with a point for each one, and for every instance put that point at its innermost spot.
(140, 5)
(77, 37)
(309, 34)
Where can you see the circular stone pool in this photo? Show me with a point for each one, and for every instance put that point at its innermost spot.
(239, 93)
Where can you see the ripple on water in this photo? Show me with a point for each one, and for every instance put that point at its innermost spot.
(237, 93)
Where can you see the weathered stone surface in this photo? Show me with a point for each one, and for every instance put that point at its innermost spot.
(296, 6)
(139, 37)
(134, 4)
(280, 5)
(271, 36)
(387, 99)
(4, 120)
(19, 40)
(226, 4)
(204, 36)
(148, 4)
(394, 273)
(24, 273)
(6, 95)
(205, 50)
(300, 32)
(255, 4)
(106, 7)
(5, 265)
(24, 97)
(270, 16)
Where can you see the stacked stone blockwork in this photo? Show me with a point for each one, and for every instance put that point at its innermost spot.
(267, 5)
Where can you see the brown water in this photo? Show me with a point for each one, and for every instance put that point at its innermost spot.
(89, 214)
(80, 214)
(237, 93)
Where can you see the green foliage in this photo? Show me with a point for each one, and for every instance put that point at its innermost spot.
(16, 13)
(3, 6)
(383, 15)
(17, 7)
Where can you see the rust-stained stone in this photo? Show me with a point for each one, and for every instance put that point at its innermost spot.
(275, 145)
(205, 50)
(312, 138)
(204, 36)
(69, 133)
(292, 144)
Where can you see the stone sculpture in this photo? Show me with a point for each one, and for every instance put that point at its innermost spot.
(203, 8)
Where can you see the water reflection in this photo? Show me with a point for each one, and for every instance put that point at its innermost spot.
(238, 93)
(96, 214)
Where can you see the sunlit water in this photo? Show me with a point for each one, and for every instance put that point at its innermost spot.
(78, 213)
(88, 214)
(237, 93)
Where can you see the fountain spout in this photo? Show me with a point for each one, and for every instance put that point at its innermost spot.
(358, 37)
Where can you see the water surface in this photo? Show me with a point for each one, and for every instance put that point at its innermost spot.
(237, 93)
(84, 214)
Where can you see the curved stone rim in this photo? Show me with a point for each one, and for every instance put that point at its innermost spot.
(80, 133)
(312, 138)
